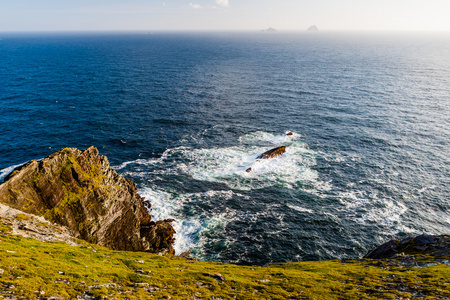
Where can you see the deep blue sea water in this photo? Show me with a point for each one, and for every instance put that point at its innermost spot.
(185, 114)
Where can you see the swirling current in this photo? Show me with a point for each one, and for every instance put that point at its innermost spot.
(185, 114)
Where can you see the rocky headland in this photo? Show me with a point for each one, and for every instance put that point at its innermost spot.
(80, 191)
(53, 211)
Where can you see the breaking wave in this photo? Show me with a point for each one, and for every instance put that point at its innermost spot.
(224, 213)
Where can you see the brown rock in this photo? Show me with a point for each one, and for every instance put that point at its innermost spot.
(79, 190)
(272, 153)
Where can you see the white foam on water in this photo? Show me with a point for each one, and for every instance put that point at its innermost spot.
(228, 165)
(370, 209)
(261, 137)
(144, 162)
(5, 172)
(213, 224)
(124, 164)
(191, 230)
(300, 209)
(388, 215)
(164, 207)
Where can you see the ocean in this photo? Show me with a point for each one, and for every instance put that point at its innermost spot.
(185, 114)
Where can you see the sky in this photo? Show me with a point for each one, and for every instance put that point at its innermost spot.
(223, 15)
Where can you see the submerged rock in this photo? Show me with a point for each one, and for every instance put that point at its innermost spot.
(422, 244)
(272, 153)
(79, 190)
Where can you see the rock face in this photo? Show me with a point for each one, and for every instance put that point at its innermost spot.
(79, 190)
(422, 244)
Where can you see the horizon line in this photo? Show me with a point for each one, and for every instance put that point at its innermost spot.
(223, 30)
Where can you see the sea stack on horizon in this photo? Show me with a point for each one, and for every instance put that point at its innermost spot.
(313, 28)
(270, 29)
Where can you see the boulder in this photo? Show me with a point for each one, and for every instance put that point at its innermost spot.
(79, 190)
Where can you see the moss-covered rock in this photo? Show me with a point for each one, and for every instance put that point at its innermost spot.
(79, 190)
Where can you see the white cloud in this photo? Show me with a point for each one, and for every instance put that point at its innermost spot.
(195, 6)
(223, 3)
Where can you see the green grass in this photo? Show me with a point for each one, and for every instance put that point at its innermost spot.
(56, 269)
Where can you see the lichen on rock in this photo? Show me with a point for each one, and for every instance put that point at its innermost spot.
(79, 190)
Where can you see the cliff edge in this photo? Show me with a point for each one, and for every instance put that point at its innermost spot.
(79, 190)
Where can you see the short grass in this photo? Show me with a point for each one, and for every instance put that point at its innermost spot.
(31, 269)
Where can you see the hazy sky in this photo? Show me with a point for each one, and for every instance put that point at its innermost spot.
(62, 15)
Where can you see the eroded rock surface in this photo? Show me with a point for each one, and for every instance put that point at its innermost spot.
(79, 190)
(32, 226)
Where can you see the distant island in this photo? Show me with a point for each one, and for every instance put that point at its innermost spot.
(313, 28)
(270, 29)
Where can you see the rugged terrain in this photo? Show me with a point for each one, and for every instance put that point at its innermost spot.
(31, 269)
(79, 190)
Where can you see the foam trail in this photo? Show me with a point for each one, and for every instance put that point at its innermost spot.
(373, 210)
(229, 165)
(261, 137)
(201, 224)
(300, 209)
(164, 207)
(192, 231)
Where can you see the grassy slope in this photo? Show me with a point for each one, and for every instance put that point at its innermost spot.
(33, 269)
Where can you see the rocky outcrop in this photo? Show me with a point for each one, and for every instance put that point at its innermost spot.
(272, 153)
(422, 244)
(79, 190)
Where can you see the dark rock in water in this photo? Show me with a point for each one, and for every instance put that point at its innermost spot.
(384, 251)
(289, 133)
(424, 239)
(272, 153)
(79, 190)
(248, 170)
(422, 244)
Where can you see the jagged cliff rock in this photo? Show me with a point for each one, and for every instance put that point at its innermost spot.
(79, 190)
